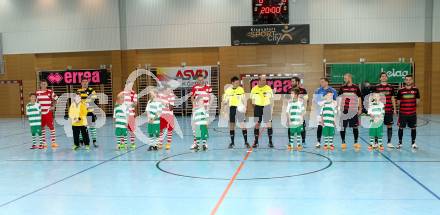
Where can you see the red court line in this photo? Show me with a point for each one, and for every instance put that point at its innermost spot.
(225, 192)
(231, 181)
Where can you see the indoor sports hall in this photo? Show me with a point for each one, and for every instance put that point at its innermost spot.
(271, 107)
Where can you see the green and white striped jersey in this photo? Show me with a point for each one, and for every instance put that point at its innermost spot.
(376, 111)
(154, 110)
(33, 111)
(295, 110)
(200, 116)
(328, 113)
(120, 114)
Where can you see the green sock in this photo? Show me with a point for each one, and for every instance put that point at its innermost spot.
(93, 132)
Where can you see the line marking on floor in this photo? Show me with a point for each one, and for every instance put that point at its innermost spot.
(406, 173)
(228, 187)
(231, 181)
(68, 177)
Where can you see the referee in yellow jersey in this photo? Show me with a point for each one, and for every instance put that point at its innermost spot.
(234, 97)
(261, 96)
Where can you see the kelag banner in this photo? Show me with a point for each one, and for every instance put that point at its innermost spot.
(74, 77)
(188, 75)
(270, 35)
(370, 72)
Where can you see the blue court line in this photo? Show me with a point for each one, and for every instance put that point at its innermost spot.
(68, 177)
(406, 173)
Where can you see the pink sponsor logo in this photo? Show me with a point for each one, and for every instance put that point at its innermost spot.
(54, 78)
(75, 77)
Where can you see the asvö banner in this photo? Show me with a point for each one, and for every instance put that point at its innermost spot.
(187, 75)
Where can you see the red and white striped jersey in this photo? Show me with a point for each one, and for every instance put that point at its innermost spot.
(46, 100)
(130, 98)
(203, 91)
(167, 99)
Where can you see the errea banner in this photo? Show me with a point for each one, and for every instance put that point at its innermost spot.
(74, 77)
(370, 72)
(270, 35)
(186, 75)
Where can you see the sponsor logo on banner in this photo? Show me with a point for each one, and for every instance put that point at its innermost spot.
(54, 78)
(281, 85)
(370, 72)
(394, 73)
(270, 34)
(187, 75)
(74, 77)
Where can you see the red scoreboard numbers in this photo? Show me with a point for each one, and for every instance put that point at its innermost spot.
(270, 12)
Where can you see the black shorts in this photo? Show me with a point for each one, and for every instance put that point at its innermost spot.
(353, 122)
(92, 115)
(263, 113)
(235, 115)
(410, 121)
(388, 119)
(232, 114)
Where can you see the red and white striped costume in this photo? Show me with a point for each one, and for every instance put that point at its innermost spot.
(131, 99)
(46, 99)
(167, 117)
(203, 91)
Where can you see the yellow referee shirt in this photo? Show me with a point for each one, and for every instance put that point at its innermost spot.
(261, 95)
(234, 96)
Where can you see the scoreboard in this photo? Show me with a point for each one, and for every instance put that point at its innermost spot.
(270, 12)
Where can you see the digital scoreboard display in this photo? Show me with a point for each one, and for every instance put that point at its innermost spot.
(270, 12)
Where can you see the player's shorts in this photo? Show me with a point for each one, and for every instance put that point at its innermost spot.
(388, 119)
(121, 132)
(410, 121)
(235, 115)
(263, 113)
(167, 122)
(353, 122)
(92, 115)
(131, 123)
(296, 130)
(376, 131)
(328, 131)
(47, 120)
(36, 130)
(153, 129)
(202, 132)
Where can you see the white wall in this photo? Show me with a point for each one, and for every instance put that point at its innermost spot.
(184, 23)
(187, 23)
(38, 26)
(31, 26)
(436, 22)
(361, 21)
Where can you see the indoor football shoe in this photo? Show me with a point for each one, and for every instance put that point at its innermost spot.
(344, 146)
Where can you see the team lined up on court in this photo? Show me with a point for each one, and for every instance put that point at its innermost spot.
(330, 112)
(380, 107)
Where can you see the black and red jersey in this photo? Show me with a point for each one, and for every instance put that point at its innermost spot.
(408, 100)
(350, 95)
(388, 91)
(302, 91)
